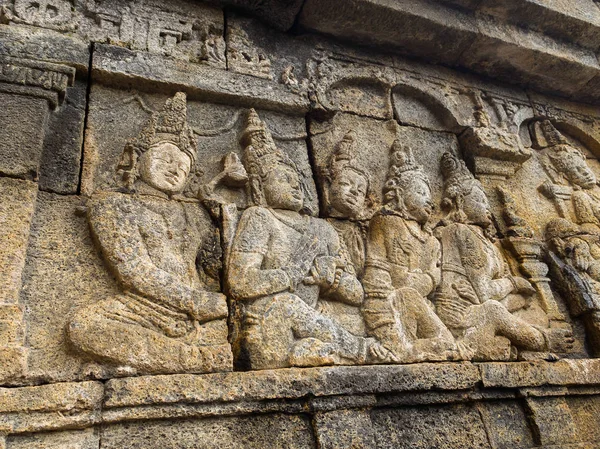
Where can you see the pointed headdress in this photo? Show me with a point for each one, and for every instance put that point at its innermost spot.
(403, 167)
(345, 156)
(169, 125)
(260, 151)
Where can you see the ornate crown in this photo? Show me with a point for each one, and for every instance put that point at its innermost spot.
(260, 151)
(168, 125)
(345, 156)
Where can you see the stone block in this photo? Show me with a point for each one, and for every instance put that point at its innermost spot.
(72, 439)
(585, 411)
(530, 59)
(121, 67)
(411, 27)
(273, 431)
(13, 363)
(23, 122)
(17, 205)
(449, 426)
(50, 407)
(44, 45)
(61, 158)
(290, 383)
(575, 21)
(506, 423)
(344, 428)
(551, 421)
(64, 272)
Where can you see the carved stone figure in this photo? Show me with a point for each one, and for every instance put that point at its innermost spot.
(477, 290)
(281, 263)
(167, 319)
(573, 239)
(349, 203)
(403, 267)
(571, 177)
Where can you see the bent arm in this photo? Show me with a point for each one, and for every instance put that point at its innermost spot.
(115, 229)
(247, 280)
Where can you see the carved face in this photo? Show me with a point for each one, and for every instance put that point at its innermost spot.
(348, 192)
(165, 167)
(281, 188)
(417, 200)
(579, 173)
(476, 207)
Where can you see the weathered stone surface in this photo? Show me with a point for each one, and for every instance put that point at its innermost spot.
(44, 45)
(75, 439)
(346, 428)
(56, 284)
(61, 158)
(563, 372)
(277, 431)
(120, 66)
(290, 383)
(291, 205)
(17, 206)
(48, 407)
(21, 155)
(552, 421)
(442, 426)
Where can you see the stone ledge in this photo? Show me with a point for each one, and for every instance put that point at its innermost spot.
(566, 372)
(479, 42)
(117, 65)
(44, 45)
(295, 390)
(293, 383)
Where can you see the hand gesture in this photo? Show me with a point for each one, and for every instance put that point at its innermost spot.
(322, 272)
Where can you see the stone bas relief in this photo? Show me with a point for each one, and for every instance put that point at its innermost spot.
(282, 263)
(386, 276)
(574, 237)
(479, 298)
(162, 248)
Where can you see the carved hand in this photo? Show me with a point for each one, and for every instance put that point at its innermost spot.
(302, 259)
(523, 286)
(465, 291)
(208, 306)
(322, 272)
(581, 256)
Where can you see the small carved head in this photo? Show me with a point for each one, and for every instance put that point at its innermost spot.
(407, 188)
(273, 177)
(347, 195)
(164, 153)
(464, 196)
(571, 163)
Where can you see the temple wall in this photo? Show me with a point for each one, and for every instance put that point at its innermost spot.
(464, 95)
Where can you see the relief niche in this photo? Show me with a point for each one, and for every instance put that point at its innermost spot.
(169, 316)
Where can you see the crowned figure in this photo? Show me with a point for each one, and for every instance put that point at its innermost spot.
(282, 262)
(477, 288)
(162, 248)
(402, 269)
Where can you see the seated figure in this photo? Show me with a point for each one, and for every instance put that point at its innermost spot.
(568, 169)
(281, 264)
(402, 269)
(167, 318)
(476, 282)
(348, 207)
